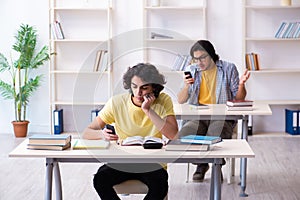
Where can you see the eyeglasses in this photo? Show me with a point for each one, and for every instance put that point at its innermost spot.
(201, 58)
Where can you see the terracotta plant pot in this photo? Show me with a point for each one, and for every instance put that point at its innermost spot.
(20, 128)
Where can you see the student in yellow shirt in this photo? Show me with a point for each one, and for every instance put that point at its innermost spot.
(213, 81)
(144, 111)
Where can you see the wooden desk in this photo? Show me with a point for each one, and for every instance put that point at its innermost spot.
(219, 112)
(136, 154)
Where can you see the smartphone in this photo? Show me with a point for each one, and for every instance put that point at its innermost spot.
(188, 73)
(112, 128)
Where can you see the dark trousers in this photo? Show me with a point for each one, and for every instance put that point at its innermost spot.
(222, 128)
(153, 175)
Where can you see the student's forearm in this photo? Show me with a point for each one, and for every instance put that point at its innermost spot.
(183, 94)
(166, 127)
(92, 134)
(94, 130)
(241, 94)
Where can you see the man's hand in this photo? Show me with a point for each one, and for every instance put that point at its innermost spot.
(108, 136)
(244, 77)
(148, 100)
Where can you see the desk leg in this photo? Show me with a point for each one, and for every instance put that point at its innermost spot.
(49, 172)
(243, 167)
(215, 184)
(57, 181)
(243, 177)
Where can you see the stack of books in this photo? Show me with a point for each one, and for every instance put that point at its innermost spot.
(49, 142)
(252, 61)
(177, 145)
(239, 105)
(200, 139)
(288, 30)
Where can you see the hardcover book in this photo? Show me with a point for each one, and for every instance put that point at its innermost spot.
(177, 145)
(49, 147)
(233, 108)
(200, 139)
(239, 103)
(50, 139)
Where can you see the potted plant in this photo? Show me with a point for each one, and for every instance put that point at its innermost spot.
(21, 84)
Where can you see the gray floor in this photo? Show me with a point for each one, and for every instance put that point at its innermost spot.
(274, 174)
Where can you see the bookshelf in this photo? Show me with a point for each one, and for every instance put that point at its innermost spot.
(75, 86)
(279, 67)
(184, 31)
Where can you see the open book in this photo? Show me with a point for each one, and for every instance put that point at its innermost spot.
(139, 140)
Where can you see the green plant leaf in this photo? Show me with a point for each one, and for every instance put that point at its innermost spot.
(6, 90)
(4, 66)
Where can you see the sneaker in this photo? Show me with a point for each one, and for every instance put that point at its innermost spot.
(198, 176)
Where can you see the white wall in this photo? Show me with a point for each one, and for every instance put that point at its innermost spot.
(224, 31)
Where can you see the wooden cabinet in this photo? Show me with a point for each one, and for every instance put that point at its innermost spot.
(75, 85)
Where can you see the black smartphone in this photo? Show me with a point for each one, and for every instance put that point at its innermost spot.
(188, 73)
(112, 128)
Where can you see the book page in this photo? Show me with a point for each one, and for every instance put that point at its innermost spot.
(134, 140)
(139, 140)
(151, 139)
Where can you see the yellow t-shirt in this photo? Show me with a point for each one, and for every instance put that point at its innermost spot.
(208, 87)
(130, 120)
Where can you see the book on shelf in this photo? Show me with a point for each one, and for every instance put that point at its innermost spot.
(160, 36)
(280, 29)
(58, 121)
(297, 32)
(252, 61)
(293, 30)
(101, 61)
(236, 102)
(181, 62)
(94, 113)
(292, 118)
(90, 144)
(139, 140)
(49, 147)
(177, 145)
(97, 60)
(56, 30)
(241, 108)
(288, 30)
(40, 139)
(200, 139)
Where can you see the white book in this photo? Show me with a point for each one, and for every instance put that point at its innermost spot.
(240, 108)
(278, 33)
(97, 60)
(103, 62)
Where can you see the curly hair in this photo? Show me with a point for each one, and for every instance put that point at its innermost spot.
(147, 72)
